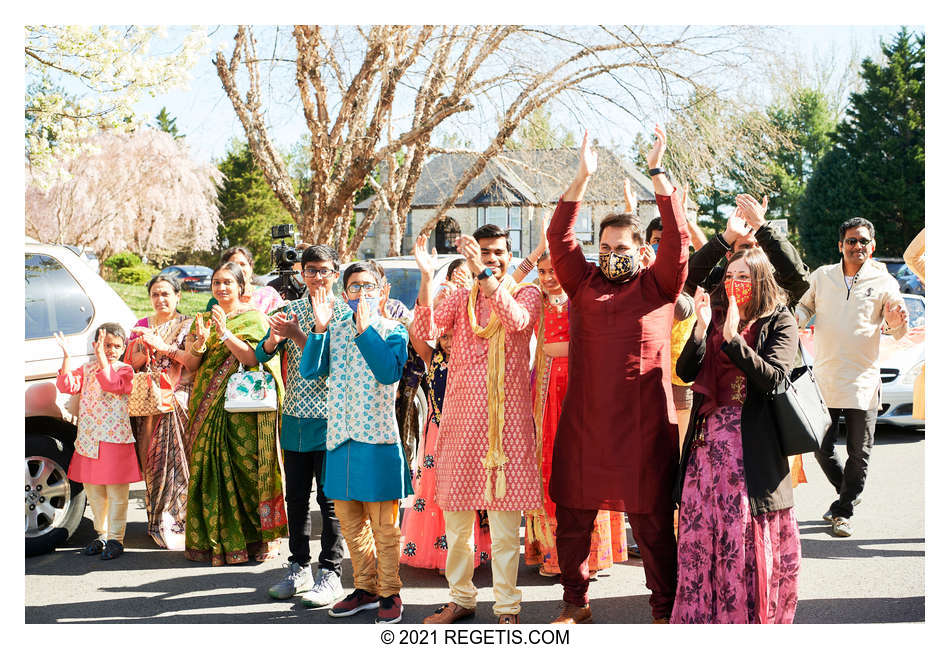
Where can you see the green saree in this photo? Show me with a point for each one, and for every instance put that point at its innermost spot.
(235, 497)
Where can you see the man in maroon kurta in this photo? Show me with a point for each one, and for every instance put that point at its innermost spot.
(616, 444)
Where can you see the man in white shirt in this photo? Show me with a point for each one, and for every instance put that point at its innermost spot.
(850, 301)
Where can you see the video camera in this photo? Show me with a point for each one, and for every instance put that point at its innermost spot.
(284, 257)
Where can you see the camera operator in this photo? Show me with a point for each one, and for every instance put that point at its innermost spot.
(291, 287)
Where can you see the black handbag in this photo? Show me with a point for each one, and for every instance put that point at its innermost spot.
(801, 415)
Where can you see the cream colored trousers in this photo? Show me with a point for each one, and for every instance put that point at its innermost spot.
(110, 509)
(371, 532)
(505, 553)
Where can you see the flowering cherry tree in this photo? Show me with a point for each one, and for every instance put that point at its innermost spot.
(135, 191)
(81, 79)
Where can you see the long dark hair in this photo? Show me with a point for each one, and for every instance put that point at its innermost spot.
(235, 270)
(766, 294)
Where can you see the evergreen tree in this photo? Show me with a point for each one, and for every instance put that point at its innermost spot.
(248, 206)
(165, 122)
(879, 152)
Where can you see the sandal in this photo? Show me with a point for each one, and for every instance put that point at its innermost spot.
(112, 550)
(509, 618)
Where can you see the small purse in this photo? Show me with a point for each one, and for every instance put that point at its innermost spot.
(250, 392)
(152, 392)
(801, 416)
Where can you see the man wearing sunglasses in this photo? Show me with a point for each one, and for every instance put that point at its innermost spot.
(850, 301)
(303, 436)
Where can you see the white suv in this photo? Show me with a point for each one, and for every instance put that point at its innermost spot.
(62, 294)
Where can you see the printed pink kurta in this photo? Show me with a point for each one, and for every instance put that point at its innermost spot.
(463, 432)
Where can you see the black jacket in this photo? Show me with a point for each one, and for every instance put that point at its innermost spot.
(767, 475)
(791, 273)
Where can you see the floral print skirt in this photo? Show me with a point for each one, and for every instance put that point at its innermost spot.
(423, 540)
(732, 567)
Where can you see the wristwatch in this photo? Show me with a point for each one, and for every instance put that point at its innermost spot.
(485, 274)
(657, 170)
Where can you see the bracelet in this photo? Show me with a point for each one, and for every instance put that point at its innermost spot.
(225, 335)
(198, 351)
(526, 265)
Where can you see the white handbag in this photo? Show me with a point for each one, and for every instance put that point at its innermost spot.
(250, 392)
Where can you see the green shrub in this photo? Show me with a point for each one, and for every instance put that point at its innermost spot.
(137, 275)
(122, 260)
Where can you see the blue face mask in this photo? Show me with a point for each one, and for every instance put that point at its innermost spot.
(371, 302)
(655, 246)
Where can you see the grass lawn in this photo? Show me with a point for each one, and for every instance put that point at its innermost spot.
(137, 299)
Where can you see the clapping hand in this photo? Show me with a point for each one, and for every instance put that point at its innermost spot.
(702, 308)
(736, 227)
(647, 256)
(629, 198)
(424, 260)
(895, 315)
(730, 326)
(322, 302)
(384, 298)
(98, 347)
(150, 338)
(363, 314)
(751, 210)
(202, 330)
(219, 319)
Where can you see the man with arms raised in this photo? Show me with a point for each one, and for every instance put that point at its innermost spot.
(616, 444)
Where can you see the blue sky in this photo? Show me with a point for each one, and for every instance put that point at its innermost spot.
(205, 115)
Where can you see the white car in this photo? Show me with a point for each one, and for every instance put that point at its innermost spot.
(901, 363)
(63, 293)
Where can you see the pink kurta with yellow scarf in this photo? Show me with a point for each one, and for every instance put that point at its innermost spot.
(463, 432)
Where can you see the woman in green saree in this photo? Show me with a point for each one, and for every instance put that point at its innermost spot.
(235, 497)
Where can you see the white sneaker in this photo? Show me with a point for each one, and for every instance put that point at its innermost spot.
(326, 590)
(297, 580)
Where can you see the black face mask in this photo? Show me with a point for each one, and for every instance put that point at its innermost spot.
(618, 267)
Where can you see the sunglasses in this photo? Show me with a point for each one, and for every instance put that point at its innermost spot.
(316, 272)
(852, 241)
(354, 289)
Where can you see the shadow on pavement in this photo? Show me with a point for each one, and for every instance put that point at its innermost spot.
(842, 548)
(860, 610)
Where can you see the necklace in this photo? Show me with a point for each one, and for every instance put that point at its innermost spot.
(558, 301)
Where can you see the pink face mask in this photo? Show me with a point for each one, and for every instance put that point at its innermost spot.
(741, 289)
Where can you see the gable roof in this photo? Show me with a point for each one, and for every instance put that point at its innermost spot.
(532, 176)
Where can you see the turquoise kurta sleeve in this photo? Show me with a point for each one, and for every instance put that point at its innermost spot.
(315, 357)
(261, 354)
(385, 358)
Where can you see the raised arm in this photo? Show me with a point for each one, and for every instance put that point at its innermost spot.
(532, 259)
(914, 255)
(805, 308)
(519, 311)
(673, 251)
(765, 368)
(567, 257)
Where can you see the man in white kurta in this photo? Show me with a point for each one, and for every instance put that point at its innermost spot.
(850, 301)
(463, 483)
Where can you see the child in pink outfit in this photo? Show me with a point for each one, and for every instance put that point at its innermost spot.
(104, 459)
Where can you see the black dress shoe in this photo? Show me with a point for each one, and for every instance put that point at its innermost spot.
(94, 548)
(112, 550)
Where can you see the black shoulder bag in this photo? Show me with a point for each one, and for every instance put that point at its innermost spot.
(801, 415)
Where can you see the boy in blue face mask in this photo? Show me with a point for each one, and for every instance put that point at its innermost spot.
(362, 355)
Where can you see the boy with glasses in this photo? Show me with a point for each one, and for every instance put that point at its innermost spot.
(303, 432)
(850, 301)
(366, 475)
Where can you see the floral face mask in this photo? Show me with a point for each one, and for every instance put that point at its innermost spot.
(618, 267)
(741, 289)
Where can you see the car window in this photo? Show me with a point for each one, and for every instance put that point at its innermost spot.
(915, 312)
(54, 300)
(405, 284)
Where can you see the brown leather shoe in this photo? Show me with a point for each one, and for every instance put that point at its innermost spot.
(509, 618)
(571, 614)
(661, 620)
(449, 613)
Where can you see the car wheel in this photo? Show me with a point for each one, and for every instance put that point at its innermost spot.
(54, 505)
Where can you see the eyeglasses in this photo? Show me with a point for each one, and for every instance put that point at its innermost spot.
(852, 241)
(316, 272)
(354, 289)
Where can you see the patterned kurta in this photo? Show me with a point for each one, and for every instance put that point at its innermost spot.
(463, 433)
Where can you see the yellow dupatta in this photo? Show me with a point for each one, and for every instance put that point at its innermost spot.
(495, 459)
(536, 521)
